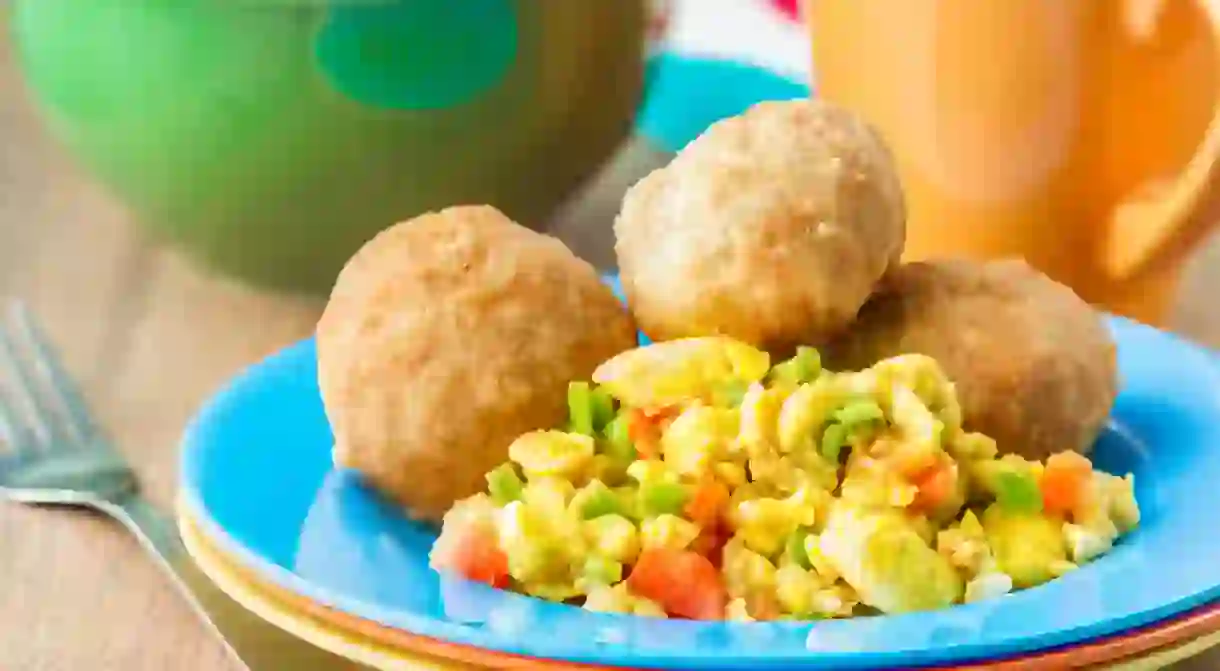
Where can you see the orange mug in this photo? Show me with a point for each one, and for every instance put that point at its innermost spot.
(1079, 134)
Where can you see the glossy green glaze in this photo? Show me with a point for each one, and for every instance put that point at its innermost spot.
(271, 138)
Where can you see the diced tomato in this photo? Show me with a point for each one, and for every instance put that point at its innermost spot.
(710, 499)
(682, 582)
(638, 423)
(475, 555)
(663, 413)
(934, 486)
(1064, 482)
(645, 434)
(645, 425)
(706, 508)
(710, 543)
(913, 462)
(763, 606)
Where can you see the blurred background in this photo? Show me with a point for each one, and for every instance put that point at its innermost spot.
(171, 181)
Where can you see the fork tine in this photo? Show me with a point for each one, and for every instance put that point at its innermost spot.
(25, 387)
(12, 434)
(62, 387)
(24, 417)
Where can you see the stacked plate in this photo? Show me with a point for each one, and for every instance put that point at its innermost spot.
(313, 551)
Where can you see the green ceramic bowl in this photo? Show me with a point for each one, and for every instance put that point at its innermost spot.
(270, 138)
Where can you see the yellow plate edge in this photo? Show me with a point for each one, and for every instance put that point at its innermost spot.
(309, 629)
(355, 648)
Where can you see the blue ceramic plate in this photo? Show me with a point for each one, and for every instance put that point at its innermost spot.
(257, 473)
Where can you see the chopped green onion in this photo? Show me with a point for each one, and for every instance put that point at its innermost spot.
(805, 366)
(796, 549)
(1018, 492)
(809, 363)
(603, 408)
(858, 412)
(504, 485)
(807, 617)
(785, 372)
(580, 408)
(833, 440)
(629, 502)
(601, 501)
(662, 498)
(618, 439)
(602, 571)
(730, 393)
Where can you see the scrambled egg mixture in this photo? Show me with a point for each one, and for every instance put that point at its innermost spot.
(696, 480)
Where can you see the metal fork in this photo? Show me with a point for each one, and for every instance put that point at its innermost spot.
(57, 456)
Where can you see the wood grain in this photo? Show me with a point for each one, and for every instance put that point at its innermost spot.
(149, 335)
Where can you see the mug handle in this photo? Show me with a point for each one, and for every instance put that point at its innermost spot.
(1161, 222)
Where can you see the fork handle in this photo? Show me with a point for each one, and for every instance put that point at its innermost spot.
(255, 643)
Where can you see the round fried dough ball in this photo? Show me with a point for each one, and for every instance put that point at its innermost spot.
(771, 227)
(1034, 366)
(446, 337)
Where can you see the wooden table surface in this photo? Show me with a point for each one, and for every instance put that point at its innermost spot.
(149, 335)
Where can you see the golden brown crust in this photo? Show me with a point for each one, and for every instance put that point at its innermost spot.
(1034, 365)
(770, 227)
(449, 335)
